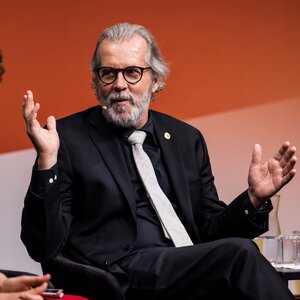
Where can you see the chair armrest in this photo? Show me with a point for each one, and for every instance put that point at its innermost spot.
(83, 280)
(14, 273)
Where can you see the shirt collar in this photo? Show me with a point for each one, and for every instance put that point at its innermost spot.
(124, 133)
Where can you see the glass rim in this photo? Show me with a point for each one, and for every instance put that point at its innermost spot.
(122, 70)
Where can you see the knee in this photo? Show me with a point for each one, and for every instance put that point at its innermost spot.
(241, 247)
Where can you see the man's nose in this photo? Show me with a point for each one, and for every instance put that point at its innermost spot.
(120, 82)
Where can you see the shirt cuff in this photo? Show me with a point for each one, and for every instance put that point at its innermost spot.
(42, 181)
(259, 215)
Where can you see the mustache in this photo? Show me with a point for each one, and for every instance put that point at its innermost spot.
(120, 96)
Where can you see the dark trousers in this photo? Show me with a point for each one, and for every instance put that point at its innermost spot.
(231, 267)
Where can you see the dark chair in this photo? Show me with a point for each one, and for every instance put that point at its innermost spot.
(13, 273)
(83, 280)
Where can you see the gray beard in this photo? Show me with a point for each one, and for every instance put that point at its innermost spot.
(113, 113)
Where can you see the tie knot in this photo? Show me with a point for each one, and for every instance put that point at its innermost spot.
(137, 137)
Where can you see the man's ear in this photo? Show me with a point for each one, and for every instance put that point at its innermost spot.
(155, 84)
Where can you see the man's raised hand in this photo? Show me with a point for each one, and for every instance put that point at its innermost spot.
(266, 179)
(45, 140)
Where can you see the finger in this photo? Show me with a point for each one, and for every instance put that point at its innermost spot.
(256, 154)
(288, 156)
(290, 153)
(51, 123)
(30, 296)
(282, 150)
(37, 280)
(34, 294)
(30, 109)
(41, 288)
(284, 147)
(286, 179)
(27, 103)
(290, 166)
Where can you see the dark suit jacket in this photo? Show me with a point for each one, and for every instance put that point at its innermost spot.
(89, 212)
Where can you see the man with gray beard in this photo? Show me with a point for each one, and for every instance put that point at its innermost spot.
(140, 105)
(157, 225)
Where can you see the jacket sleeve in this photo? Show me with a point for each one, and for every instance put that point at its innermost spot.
(218, 220)
(46, 215)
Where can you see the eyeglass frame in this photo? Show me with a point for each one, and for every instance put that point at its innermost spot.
(116, 71)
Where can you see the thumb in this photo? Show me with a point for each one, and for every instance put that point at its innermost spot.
(41, 288)
(34, 293)
(256, 154)
(51, 123)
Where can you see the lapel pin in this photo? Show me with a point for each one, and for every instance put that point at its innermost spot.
(167, 135)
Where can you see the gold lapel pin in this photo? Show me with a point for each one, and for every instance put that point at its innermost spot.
(167, 135)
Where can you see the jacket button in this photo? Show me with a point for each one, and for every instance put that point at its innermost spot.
(105, 265)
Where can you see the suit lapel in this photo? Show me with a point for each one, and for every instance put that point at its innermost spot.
(168, 141)
(110, 149)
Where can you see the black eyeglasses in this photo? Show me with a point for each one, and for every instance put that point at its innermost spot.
(132, 74)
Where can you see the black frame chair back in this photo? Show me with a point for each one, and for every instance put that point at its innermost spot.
(82, 280)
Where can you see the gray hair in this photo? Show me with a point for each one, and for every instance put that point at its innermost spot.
(124, 31)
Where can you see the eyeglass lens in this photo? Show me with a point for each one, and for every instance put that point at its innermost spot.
(131, 74)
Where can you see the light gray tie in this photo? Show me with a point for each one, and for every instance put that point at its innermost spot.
(169, 220)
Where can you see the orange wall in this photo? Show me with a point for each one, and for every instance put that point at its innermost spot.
(223, 54)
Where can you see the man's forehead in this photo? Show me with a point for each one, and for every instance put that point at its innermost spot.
(135, 45)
